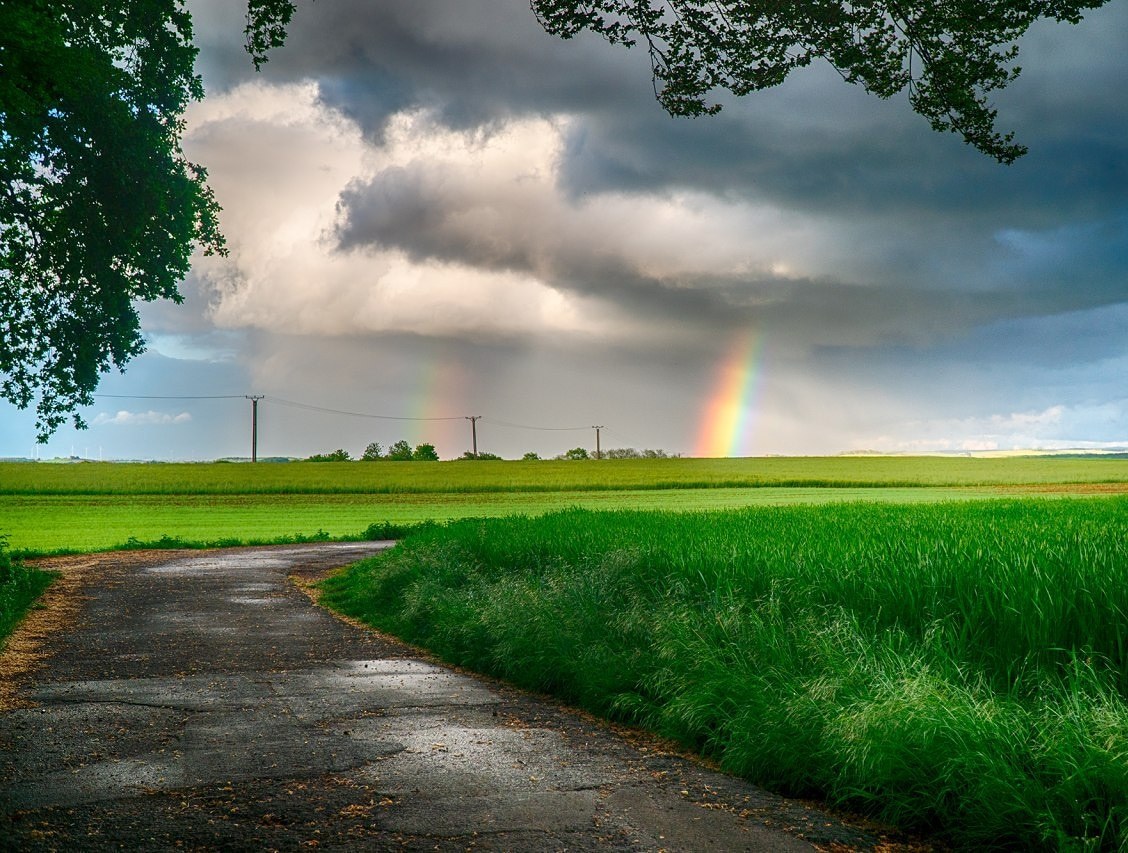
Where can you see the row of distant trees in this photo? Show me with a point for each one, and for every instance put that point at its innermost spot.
(401, 451)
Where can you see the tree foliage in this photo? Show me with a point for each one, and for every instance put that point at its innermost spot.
(99, 207)
(480, 456)
(950, 56)
(425, 453)
(338, 455)
(399, 452)
(632, 453)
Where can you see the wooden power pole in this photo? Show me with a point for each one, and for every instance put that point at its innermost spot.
(254, 398)
(474, 432)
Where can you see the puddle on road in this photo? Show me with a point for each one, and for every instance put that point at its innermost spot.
(388, 666)
(203, 566)
(260, 602)
(251, 588)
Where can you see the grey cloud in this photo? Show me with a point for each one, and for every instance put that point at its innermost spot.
(961, 286)
(918, 285)
(812, 144)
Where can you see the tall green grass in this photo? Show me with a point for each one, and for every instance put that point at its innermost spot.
(20, 585)
(957, 668)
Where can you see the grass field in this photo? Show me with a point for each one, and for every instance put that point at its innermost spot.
(959, 668)
(94, 506)
(549, 476)
(40, 524)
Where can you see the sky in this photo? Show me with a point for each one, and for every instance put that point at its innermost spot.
(436, 210)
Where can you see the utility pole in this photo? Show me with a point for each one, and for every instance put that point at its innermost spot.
(474, 431)
(598, 454)
(254, 398)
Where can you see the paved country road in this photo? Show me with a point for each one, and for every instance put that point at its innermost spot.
(199, 700)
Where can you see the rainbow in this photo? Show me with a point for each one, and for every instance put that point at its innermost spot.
(437, 392)
(726, 428)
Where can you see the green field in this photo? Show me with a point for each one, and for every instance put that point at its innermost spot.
(900, 635)
(48, 523)
(108, 478)
(959, 668)
(94, 506)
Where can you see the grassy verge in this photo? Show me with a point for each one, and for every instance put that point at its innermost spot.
(956, 668)
(20, 585)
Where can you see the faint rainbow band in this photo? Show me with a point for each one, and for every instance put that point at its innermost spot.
(728, 419)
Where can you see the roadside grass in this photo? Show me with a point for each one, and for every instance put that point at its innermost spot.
(958, 668)
(20, 585)
(40, 524)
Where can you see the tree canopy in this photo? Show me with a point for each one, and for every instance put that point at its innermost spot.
(99, 207)
(948, 56)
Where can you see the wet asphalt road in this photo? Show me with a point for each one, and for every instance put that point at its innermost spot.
(199, 700)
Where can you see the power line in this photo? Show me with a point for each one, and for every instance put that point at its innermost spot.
(307, 406)
(293, 404)
(165, 397)
(539, 428)
(625, 438)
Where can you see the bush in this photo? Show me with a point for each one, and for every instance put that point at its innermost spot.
(20, 585)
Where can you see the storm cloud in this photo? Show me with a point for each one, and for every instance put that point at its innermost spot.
(423, 189)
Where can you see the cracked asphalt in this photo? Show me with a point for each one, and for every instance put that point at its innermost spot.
(201, 701)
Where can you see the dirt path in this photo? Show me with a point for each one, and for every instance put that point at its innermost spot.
(199, 700)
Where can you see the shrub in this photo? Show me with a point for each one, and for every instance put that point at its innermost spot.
(20, 585)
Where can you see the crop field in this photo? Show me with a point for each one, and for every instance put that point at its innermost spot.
(959, 668)
(52, 523)
(94, 506)
(550, 476)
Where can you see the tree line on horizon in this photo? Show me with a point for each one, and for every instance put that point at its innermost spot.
(401, 451)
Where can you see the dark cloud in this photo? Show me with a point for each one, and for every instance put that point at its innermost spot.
(908, 263)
